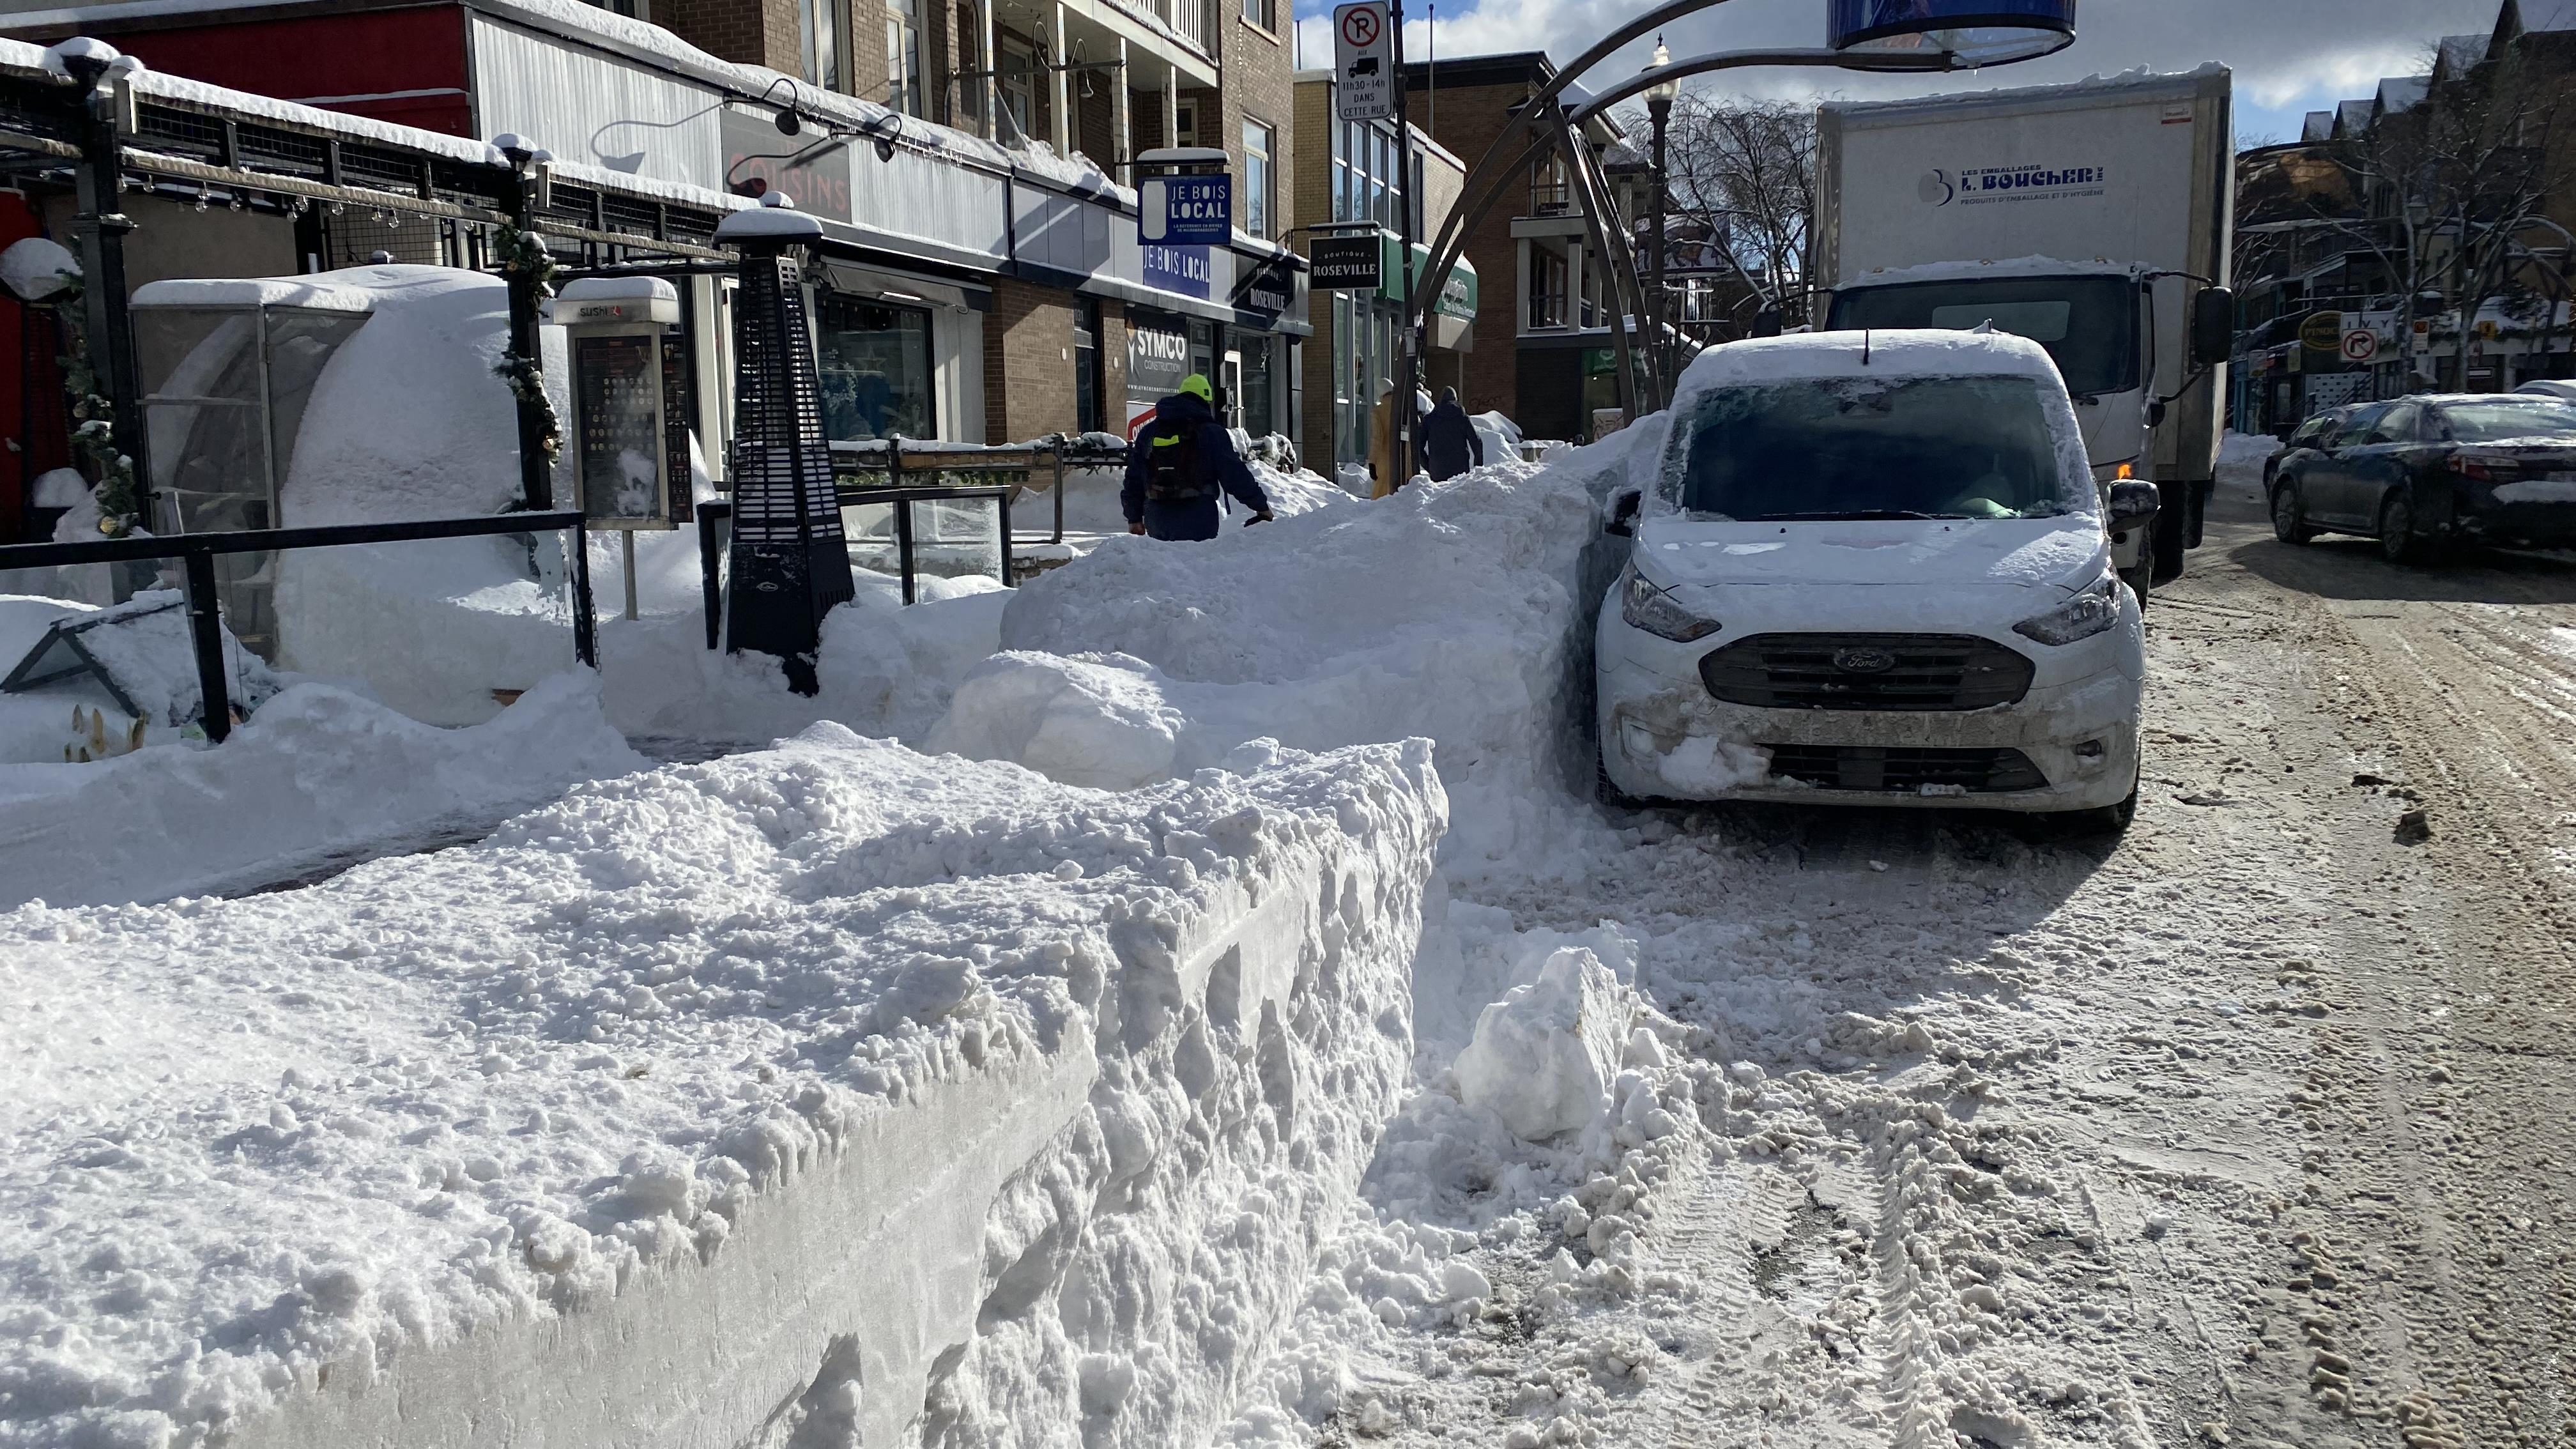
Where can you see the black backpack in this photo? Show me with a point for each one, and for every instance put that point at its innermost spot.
(1171, 466)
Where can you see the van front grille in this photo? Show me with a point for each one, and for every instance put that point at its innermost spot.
(1866, 671)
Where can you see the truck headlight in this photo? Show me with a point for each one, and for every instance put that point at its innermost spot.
(1654, 610)
(2081, 617)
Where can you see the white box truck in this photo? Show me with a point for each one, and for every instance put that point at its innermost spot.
(2092, 218)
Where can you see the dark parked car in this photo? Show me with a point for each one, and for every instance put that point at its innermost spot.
(2305, 435)
(2416, 472)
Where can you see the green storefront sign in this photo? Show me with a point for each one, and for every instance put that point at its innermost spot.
(1457, 299)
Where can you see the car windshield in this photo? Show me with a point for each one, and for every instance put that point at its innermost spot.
(2522, 417)
(2088, 324)
(1916, 447)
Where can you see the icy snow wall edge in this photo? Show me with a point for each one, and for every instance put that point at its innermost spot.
(878, 1255)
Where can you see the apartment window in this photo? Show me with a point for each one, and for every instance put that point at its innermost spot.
(1547, 287)
(1259, 141)
(969, 50)
(631, 9)
(818, 33)
(903, 56)
(1019, 67)
(1264, 13)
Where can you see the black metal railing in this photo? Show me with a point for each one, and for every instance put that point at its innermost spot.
(715, 515)
(197, 552)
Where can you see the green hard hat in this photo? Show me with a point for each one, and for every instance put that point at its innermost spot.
(1196, 385)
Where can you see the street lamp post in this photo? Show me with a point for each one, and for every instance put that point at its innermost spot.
(1659, 105)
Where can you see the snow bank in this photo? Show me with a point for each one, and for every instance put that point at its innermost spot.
(1456, 611)
(884, 668)
(315, 771)
(884, 1098)
(2240, 462)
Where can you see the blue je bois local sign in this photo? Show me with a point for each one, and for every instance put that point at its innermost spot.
(1185, 210)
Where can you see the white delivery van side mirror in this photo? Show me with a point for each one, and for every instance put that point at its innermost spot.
(2132, 502)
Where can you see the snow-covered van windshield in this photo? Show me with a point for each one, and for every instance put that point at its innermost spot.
(1858, 448)
(2088, 324)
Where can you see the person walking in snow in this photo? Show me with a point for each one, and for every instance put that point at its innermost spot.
(1180, 460)
(1449, 442)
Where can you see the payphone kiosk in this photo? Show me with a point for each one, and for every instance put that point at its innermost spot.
(629, 444)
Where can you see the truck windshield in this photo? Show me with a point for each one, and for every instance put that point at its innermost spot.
(2089, 324)
(1916, 447)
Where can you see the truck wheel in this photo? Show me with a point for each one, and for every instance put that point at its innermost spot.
(2289, 518)
(2165, 545)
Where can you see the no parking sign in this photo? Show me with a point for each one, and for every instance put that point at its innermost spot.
(1363, 62)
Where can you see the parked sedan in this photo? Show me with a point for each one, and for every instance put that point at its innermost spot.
(2306, 435)
(2417, 472)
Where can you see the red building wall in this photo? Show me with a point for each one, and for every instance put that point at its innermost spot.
(406, 65)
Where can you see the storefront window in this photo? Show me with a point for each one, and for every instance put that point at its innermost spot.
(876, 370)
(1086, 368)
(1260, 417)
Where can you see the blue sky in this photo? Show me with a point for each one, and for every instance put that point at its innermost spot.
(2289, 56)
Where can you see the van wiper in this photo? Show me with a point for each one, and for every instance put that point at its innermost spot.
(1856, 515)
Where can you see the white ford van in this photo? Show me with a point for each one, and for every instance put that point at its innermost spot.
(1874, 568)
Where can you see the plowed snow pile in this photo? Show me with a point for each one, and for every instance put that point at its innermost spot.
(831, 1092)
(1448, 611)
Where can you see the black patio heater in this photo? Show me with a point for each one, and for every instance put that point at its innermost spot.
(790, 563)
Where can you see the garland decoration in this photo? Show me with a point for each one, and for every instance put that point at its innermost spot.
(525, 262)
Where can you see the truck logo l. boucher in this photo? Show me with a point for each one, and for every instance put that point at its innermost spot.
(1936, 188)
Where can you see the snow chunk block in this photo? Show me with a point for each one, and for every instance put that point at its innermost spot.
(1544, 1056)
(803, 1096)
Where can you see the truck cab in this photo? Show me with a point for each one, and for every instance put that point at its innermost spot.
(2093, 218)
(2133, 345)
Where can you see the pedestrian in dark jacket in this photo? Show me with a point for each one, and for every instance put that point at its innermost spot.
(1449, 442)
(1178, 462)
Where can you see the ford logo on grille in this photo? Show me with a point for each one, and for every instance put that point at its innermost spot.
(1864, 660)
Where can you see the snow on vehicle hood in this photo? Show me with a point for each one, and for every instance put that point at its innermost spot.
(2066, 552)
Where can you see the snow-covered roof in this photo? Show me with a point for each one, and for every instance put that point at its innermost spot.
(2401, 93)
(2457, 53)
(352, 289)
(2033, 266)
(1909, 352)
(2351, 118)
(2318, 127)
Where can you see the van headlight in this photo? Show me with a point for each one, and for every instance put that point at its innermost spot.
(1655, 610)
(2081, 617)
